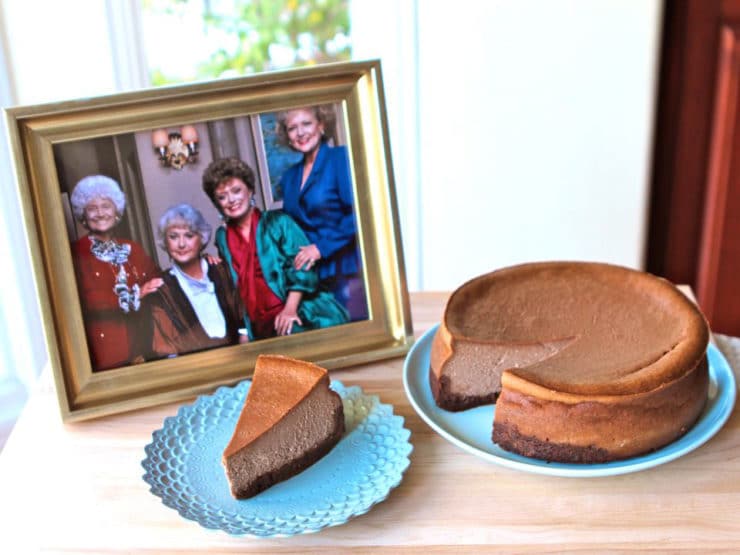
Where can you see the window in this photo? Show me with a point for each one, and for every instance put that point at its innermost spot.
(189, 40)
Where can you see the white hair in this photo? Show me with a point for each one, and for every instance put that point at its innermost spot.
(92, 187)
(184, 214)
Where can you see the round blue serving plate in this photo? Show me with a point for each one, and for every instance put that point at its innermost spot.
(471, 430)
(183, 467)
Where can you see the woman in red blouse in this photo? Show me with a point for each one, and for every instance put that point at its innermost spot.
(113, 275)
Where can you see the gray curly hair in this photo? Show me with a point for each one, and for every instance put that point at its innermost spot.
(92, 187)
(184, 214)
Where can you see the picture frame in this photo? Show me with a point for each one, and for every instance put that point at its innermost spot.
(54, 144)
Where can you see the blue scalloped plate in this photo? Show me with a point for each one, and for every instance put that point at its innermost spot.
(471, 429)
(183, 468)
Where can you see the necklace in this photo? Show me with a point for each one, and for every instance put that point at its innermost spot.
(116, 254)
(110, 251)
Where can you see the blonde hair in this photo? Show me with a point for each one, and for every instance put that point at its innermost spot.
(323, 113)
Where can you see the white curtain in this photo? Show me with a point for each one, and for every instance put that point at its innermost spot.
(97, 51)
(22, 349)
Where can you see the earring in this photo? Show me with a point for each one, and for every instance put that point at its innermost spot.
(252, 202)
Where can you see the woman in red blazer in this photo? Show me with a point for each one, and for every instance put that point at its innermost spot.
(113, 275)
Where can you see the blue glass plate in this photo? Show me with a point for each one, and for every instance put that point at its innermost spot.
(183, 468)
(471, 429)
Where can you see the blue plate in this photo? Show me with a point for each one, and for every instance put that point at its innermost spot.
(183, 468)
(471, 429)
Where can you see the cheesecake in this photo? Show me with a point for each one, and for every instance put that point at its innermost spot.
(290, 419)
(586, 362)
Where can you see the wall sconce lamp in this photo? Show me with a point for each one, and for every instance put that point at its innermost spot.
(175, 149)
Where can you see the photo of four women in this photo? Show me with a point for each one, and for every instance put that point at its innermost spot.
(276, 273)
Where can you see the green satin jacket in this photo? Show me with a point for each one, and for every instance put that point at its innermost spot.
(278, 241)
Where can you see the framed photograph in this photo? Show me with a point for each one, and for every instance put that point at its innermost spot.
(178, 233)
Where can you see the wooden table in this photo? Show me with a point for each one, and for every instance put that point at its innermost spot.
(78, 488)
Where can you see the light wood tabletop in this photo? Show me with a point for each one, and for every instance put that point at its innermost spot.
(79, 488)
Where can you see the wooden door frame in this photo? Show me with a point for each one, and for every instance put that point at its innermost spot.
(682, 138)
(694, 229)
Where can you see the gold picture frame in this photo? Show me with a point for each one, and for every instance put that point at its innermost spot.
(42, 138)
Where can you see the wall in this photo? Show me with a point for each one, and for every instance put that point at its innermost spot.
(165, 187)
(520, 130)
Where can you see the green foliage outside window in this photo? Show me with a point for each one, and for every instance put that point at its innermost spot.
(249, 36)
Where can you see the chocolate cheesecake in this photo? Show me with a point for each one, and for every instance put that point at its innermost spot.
(586, 362)
(291, 418)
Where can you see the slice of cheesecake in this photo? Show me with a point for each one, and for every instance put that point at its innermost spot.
(291, 418)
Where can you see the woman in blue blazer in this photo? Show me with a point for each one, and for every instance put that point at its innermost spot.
(317, 194)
